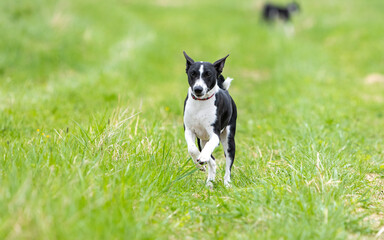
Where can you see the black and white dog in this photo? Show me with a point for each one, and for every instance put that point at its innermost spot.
(272, 12)
(209, 115)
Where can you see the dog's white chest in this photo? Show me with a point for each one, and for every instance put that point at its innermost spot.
(199, 117)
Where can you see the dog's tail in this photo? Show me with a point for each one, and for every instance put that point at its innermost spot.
(227, 83)
(224, 83)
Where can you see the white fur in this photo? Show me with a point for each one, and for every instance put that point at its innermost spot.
(198, 119)
(200, 115)
(211, 168)
(205, 155)
(201, 70)
(224, 141)
(190, 137)
(227, 83)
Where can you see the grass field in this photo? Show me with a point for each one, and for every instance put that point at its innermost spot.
(91, 137)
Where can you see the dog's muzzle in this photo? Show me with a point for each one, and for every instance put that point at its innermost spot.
(198, 91)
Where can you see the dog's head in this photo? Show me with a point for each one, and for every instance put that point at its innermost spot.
(202, 76)
(293, 7)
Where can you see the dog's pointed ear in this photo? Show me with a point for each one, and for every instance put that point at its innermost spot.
(189, 61)
(219, 64)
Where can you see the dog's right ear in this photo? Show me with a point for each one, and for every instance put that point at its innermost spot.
(189, 61)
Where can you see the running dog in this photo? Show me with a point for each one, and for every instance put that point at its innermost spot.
(209, 116)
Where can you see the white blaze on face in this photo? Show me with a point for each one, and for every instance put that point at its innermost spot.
(201, 70)
(200, 82)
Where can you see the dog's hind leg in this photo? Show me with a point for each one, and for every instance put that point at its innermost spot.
(211, 166)
(227, 138)
(202, 168)
(199, 144)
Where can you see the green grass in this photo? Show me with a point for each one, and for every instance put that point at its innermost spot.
(91, 136)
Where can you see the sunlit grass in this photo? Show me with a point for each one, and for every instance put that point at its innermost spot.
(91, 136)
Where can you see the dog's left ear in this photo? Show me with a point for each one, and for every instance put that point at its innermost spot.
(189, 61)
(219, 64)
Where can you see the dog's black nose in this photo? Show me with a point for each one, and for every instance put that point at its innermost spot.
(198, 90)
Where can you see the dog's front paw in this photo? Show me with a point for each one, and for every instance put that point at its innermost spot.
(227, 184)
(209, 184)
(200, 167)
(227, 181)
(203, 159)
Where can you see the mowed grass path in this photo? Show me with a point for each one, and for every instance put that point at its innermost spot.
(91, 137)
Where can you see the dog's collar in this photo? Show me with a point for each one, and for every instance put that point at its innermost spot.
(201, 99)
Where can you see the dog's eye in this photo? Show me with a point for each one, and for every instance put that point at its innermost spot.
(193, 74)
(208, 74)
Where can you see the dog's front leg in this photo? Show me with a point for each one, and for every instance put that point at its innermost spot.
(206, 152)
(190, 138)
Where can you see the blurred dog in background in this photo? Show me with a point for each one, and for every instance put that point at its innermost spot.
(272, 12)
